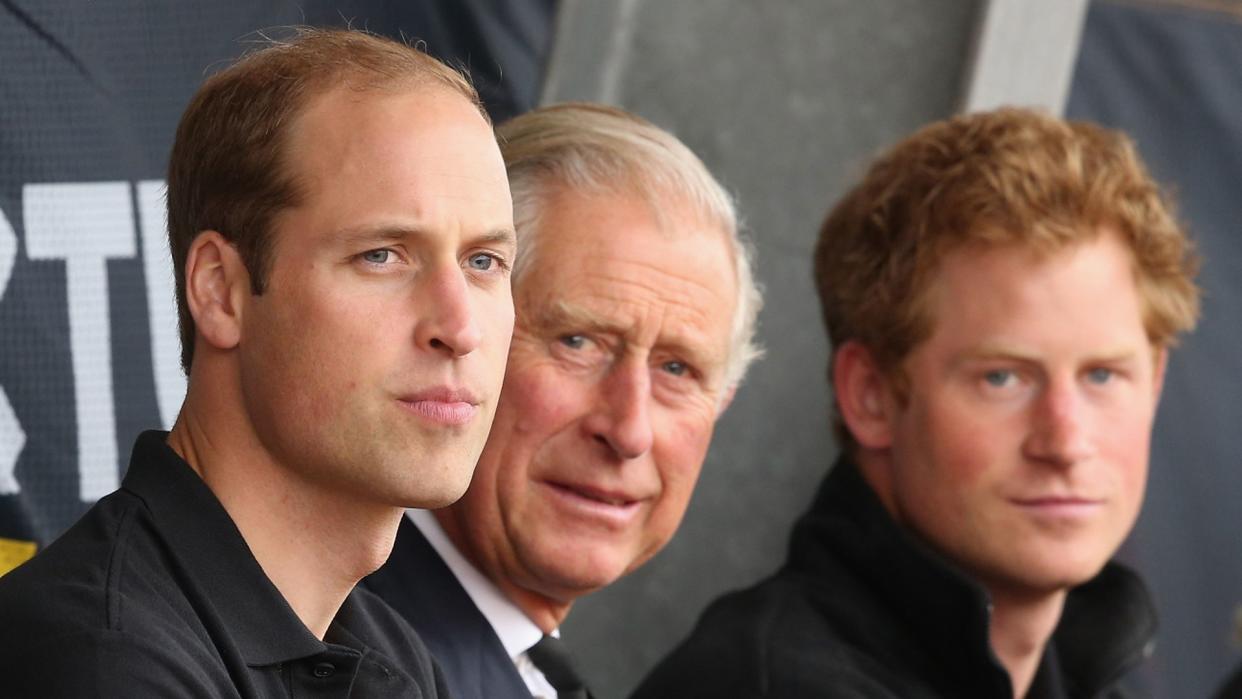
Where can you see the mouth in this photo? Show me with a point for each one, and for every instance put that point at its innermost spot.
(442, 405)
(609, 506)
(1060, 507)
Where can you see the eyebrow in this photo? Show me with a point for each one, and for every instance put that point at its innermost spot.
(568, 315)
(386, 232)
(565, 313)
(988, 352)
(499, 235)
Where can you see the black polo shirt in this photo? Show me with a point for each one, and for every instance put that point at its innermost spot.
(154, 593)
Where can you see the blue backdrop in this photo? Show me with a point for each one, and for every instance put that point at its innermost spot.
(1171, 75)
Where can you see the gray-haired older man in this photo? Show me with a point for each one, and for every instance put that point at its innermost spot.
(635, 310)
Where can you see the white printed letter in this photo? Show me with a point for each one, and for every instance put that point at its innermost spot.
(161, 300)
(84, 224)
(12, 437)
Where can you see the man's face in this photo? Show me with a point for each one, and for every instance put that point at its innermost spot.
(372, 362)
(614, 383)
(1022, 451)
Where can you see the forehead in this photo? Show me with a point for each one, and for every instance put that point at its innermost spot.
(664, 277)
(343, 121)
(1082, 295)
(418, 155)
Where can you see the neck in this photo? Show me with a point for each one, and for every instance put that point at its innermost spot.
(1021, 625)
(312, 542)
(544, 611)
(1022, 620)
(547, 613)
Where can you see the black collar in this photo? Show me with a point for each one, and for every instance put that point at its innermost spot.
(215, 559)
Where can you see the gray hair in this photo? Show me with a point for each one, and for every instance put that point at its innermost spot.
(597, 148)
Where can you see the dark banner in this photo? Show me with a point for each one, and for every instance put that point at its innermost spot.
(90, 95)
(1170, 74)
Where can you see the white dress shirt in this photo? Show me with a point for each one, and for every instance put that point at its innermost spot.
(516, 631)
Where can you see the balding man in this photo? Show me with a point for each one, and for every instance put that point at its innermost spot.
(342, 230)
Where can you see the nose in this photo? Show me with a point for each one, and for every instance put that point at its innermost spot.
(448, 323)
(1060, 432)
(622, 418)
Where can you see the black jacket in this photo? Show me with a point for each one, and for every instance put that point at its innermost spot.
(862, 609)
(1232, 688)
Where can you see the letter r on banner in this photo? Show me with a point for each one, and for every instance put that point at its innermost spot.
(85, 224)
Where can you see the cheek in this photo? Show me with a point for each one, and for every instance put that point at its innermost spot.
(678, 485)
(679, 471)
(275, 351)
(339, 332)
(535, 405)
(953, 445)
(1127, 449)
(679, 451)
(1121, 432)
(538, 400)
(495, 313)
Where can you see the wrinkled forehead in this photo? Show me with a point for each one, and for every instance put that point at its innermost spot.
(611, 263)
(672, 198)
(662, 212)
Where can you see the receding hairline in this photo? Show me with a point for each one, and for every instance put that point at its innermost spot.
(295, 129)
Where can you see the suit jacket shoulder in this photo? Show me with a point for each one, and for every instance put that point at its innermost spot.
(418, 584)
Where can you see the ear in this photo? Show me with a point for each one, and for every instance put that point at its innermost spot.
(863, 396)
(216, 283)
(726, 400)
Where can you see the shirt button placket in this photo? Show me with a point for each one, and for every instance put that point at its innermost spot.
(328, 675)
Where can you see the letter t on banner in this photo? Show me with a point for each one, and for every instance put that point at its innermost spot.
(84, 224)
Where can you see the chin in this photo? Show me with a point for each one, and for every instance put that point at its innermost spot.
(448, 483)
(445, 495)
(429, 491)
(1050, 577)
(581, 574)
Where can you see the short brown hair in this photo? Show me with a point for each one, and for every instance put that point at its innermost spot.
(228, 171)
(1010, 176)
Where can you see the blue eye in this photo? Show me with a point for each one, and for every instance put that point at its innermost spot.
(573, 341)
(481, 261)
(377, 257)
(999, 378)
(676, 368)
(1100, 376)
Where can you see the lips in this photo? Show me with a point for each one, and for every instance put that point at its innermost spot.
(585, 501)
(1060, 506)
(607, 497)
(442, 405)
(1057, 500)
